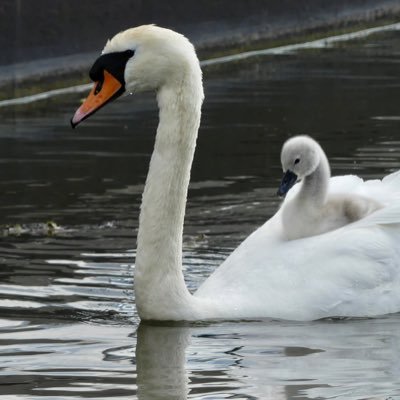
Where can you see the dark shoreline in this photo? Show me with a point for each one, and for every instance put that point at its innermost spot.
(51, 43)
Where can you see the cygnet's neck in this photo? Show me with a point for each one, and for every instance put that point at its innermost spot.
(160, 290)
(314, 188)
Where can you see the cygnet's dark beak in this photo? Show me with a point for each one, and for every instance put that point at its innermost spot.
(288, 180)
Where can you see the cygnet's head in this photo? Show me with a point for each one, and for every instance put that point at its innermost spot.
(300, 157)
(143, 58)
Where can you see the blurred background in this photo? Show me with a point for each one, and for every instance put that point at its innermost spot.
(46, 31)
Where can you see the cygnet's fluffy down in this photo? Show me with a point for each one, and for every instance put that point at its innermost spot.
(311, 211)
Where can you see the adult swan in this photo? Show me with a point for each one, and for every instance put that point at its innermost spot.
(352, 271)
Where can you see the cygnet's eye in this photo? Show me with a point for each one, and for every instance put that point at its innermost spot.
(296, 161)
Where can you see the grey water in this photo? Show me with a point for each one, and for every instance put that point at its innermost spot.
(69, 203)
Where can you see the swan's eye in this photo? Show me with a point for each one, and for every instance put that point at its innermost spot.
(296, 161)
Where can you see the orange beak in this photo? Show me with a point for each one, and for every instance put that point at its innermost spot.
(102, 93)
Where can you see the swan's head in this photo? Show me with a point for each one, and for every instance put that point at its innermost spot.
(143, 58)
(300, 157)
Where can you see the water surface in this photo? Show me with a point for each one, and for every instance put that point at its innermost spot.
(68, 323)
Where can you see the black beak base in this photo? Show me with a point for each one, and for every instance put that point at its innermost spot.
(288, 180)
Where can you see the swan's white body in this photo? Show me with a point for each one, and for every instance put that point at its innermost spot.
(352, 271)
(312, 211)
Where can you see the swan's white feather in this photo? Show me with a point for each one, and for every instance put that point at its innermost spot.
(351, 271)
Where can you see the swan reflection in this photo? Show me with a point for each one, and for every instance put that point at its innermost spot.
(161, 362)
(269, 360)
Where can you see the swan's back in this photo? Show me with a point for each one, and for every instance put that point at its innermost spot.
(352, 271)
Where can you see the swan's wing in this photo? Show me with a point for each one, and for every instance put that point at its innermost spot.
(392, 179)
(385, 191)
(389, 215)
(352, 271)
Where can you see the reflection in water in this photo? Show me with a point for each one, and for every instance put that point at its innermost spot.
(54, 359)
(269, 360)
(161, 362)
(67, 309)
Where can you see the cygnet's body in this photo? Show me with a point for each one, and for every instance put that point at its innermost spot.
(311, 211)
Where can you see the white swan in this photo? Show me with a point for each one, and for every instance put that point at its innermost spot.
(312, 211)
(352, 271)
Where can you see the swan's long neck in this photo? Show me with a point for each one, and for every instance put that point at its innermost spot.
(314, 188)
(160, 289)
